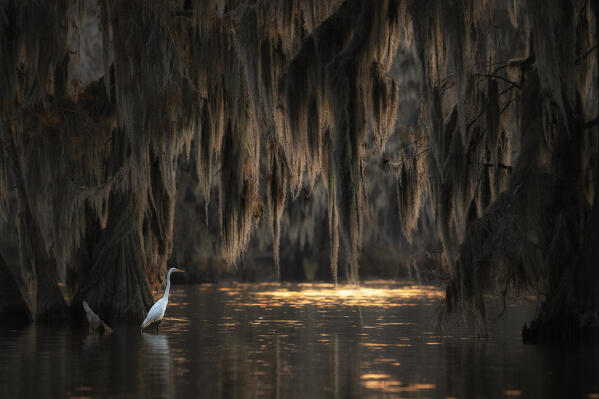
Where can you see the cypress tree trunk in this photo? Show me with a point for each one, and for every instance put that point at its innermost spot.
(128, 261)
(114, 283)
(46, 302)
(570, 313)
(13, 307)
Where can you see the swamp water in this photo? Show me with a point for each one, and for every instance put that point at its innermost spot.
(280, 340)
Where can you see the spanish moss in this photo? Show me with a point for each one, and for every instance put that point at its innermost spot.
(205, 131)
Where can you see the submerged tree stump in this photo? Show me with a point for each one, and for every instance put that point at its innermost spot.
(95, 324)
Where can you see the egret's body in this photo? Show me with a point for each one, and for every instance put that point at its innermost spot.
(156, 312)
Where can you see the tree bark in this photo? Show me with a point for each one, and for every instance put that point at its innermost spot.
(13, 307)
(115, 284)
(128, 263)
(571, 313)
(46, 302)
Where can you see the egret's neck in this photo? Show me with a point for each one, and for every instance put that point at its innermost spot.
(168, 284)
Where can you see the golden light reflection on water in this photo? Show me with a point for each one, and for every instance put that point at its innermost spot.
(395, 387)
(213, 344)
(291, 322)
(384, 360)
(325, 295)
(266, 299)
(374, 376)
(176, 323)
(373, 345)
(386, 384)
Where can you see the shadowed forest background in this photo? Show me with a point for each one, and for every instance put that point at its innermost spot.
(452, 141)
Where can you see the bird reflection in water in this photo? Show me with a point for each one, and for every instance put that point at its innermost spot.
(155, 365)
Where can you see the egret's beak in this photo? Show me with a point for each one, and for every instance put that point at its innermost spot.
(179, 270)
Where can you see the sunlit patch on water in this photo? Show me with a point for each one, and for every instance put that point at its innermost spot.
(177, 304)
(228, 325)
(291, 322)
(374, 345)
(387, 360)
(386, 384)
(375, 376)
(326, 296)
(170, 323)
(369, 294)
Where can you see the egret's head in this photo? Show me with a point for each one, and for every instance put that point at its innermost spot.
(174, 270)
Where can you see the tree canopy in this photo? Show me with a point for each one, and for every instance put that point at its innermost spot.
(100, 101)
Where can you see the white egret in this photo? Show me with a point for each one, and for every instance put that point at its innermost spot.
(157, 310)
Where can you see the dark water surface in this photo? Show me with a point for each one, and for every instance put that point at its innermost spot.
(295, 340)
